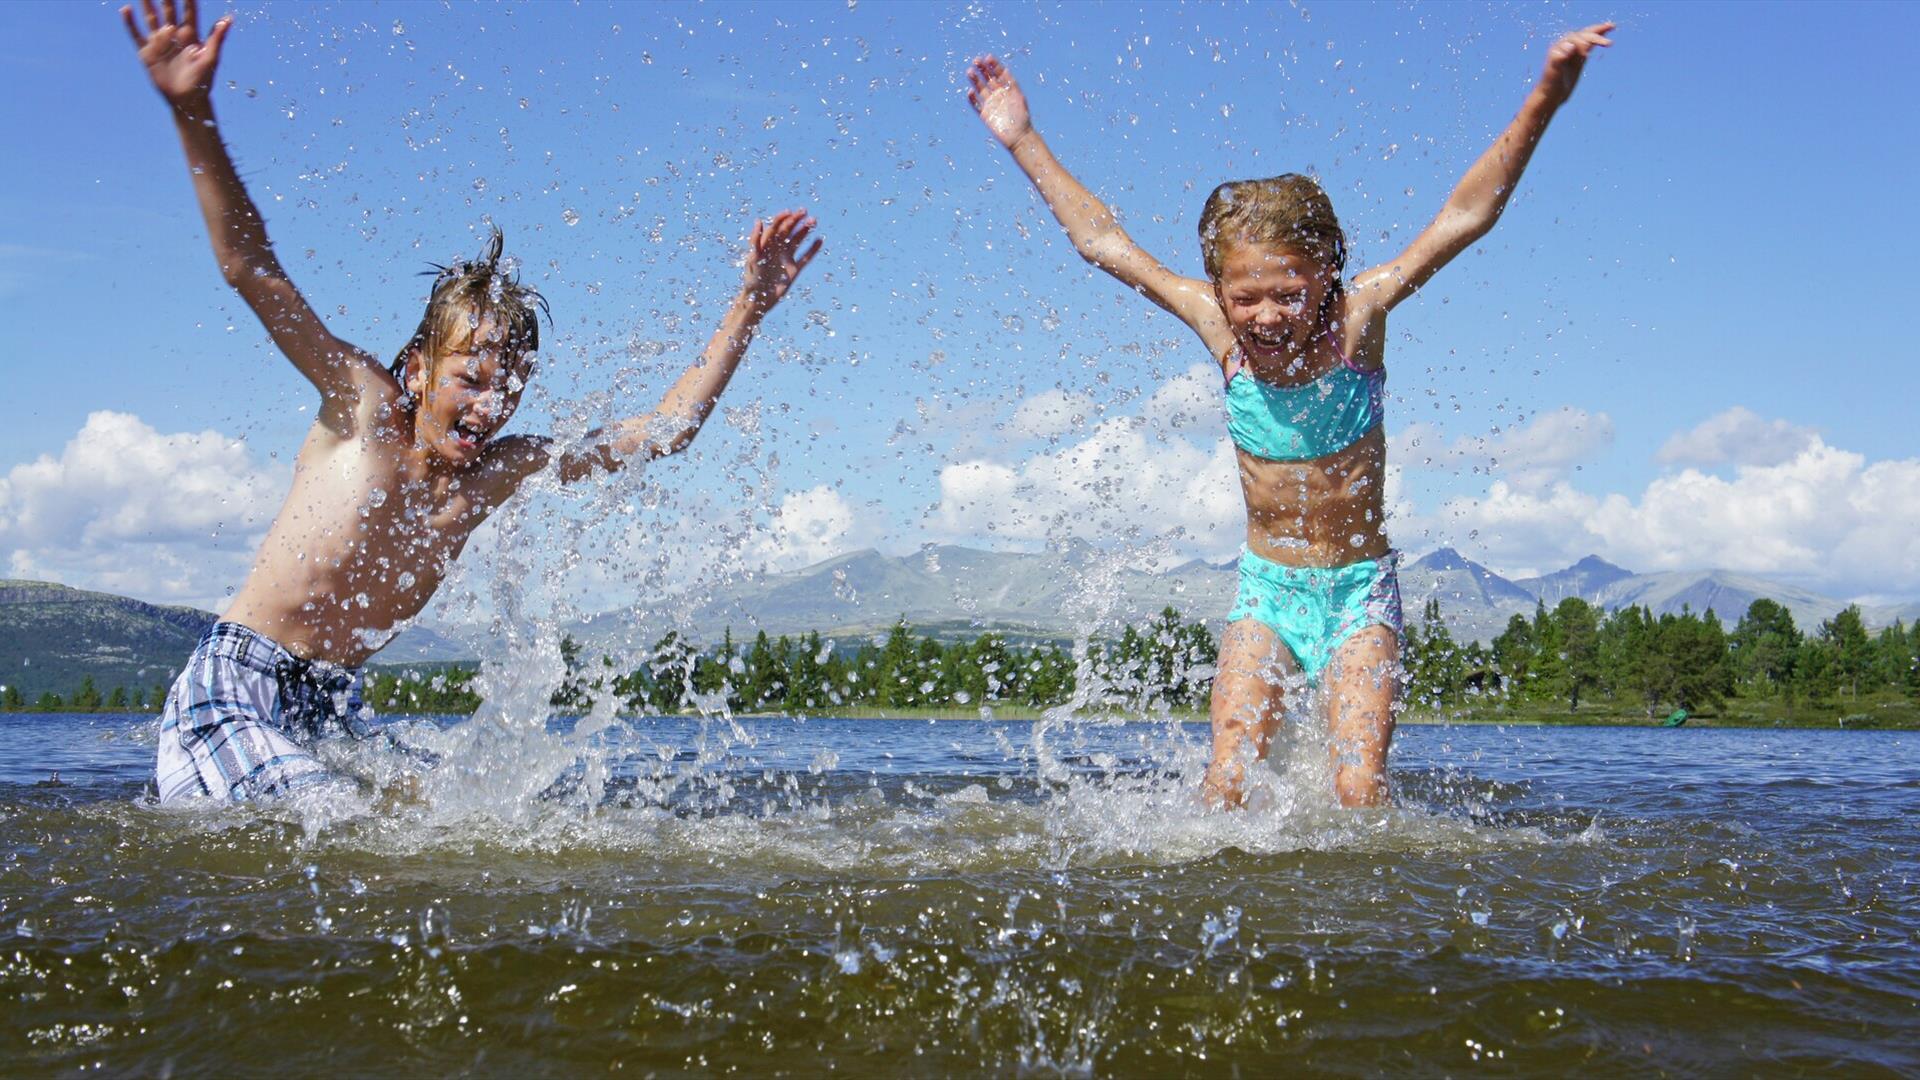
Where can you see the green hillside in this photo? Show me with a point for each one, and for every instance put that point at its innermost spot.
(52, 637)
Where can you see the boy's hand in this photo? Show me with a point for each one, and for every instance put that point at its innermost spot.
(999, 101)
(1568, 56)
(774, 259)
(180, 64)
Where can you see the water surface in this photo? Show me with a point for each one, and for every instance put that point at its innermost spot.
(798, 897)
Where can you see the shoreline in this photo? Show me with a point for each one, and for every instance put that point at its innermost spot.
(1898, 715)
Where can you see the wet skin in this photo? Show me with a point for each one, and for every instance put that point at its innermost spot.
(1327, 511)
(1269, 303)
(1323, 512)
(384, 498)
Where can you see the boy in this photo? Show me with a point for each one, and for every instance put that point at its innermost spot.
(399, 468)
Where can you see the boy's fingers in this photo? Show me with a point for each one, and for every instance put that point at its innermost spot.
(219, 35)
(153, 16)
(126, 13)
(173, 13)
(802, 261)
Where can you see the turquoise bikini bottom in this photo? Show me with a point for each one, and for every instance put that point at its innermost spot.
(1314, 609)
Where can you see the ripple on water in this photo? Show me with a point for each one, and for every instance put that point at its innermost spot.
(747, 911)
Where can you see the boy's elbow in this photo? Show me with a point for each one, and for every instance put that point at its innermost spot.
(680, 440)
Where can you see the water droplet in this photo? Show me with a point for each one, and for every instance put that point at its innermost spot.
(570, 216)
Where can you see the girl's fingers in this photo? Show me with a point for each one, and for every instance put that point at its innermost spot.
(193, 15)
(173, 13)
(218, 35)
(126, 14)
(801, 263)
(153, 16)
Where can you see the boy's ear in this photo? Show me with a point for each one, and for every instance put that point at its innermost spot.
(415, 382)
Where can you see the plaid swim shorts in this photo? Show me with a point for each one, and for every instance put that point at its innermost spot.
(242, 718)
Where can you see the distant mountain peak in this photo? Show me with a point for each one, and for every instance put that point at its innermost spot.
(1594, 563)
(1445, 558)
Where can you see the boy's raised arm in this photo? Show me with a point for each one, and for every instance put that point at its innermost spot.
(776, 253)
(1096, 235)
(181, 66)
(1478, 200)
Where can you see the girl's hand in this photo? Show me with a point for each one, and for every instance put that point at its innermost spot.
(179, 63)
(999, 101)
(774, 259)
(1568, 56)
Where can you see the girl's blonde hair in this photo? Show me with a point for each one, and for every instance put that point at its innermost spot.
(465, 295)
(1290, 211)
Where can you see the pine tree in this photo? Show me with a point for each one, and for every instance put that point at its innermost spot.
(87, 698)
(1845, 635)
(1513, 656)
(1579, 625)
(1763, 647)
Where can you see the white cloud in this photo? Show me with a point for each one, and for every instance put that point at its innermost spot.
(1824, 517)
(808, 526)
(1737, 436)
(1127, 479)
(1528, 456)
(1050, 414)
(130, 510)
(1193, 399)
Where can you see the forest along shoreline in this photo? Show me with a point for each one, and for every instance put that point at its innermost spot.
(1573, 664)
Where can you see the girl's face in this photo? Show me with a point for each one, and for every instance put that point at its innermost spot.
(1272, 297)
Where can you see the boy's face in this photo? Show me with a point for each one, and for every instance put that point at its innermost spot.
(467, 394)
(1272, 298)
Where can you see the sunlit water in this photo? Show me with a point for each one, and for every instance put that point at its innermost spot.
(890, 897)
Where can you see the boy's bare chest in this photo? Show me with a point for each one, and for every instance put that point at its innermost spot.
(364, 503)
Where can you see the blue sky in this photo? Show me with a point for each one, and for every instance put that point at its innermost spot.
(1679, 349)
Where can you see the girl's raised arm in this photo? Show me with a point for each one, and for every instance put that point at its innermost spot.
(1476, 203)
(1089, 224)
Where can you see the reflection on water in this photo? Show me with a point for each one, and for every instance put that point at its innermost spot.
(906, 896)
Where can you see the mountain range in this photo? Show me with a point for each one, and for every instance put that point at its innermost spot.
(52, 636)
(952, 591)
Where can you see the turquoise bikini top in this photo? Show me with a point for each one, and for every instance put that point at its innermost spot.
(1300, 423)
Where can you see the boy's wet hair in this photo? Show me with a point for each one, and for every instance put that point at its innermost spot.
(464, 296)
(1290, 211)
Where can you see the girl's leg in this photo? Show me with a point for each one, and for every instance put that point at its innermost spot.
(1248, 696)
(1363, 692)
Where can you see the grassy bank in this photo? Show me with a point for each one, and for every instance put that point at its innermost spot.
(1869, 711)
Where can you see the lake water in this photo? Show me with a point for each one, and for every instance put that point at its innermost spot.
(892, 897)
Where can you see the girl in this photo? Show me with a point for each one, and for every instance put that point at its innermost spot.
(1302, 350)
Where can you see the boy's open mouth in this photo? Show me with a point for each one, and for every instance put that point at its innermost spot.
(469, 433)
